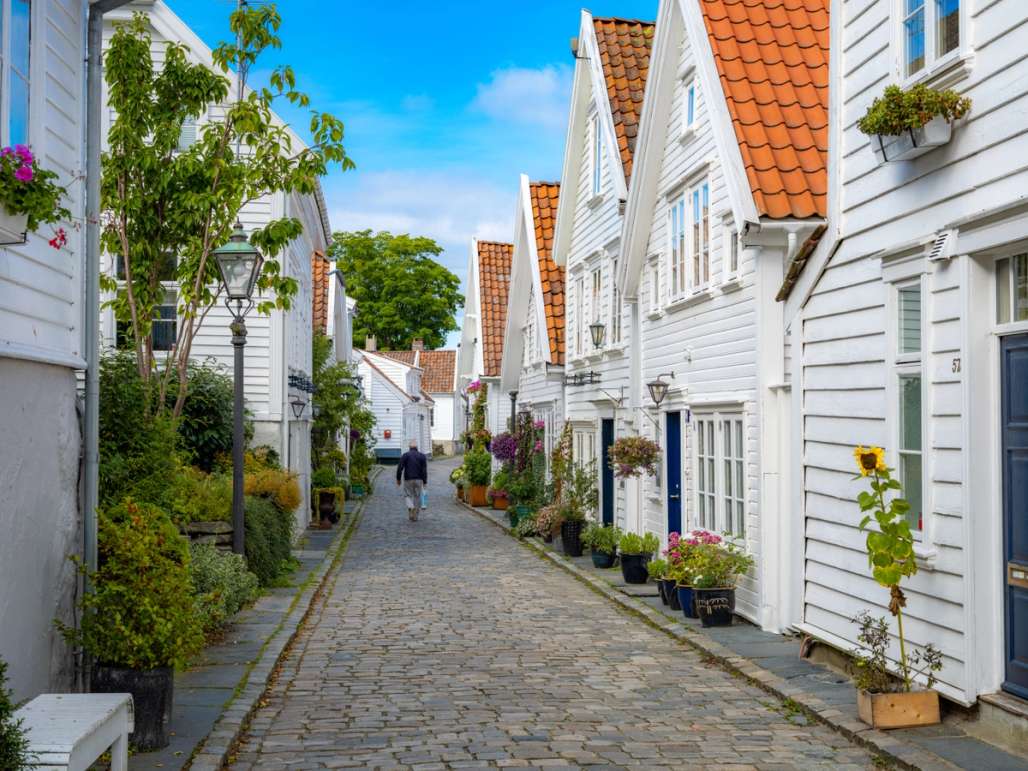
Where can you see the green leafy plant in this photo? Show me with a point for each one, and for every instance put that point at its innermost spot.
(338, 405)
(716, 565)
(632, 543)
(457, 476)
(549, 519)
(324, 477)
(269, 538)
(631, 456)
(478, 464)
(222, 583)
(657, 569)
(163, 197)
(890, 546)
(27, 188)
(897, 110)
(871, 660)
(142, 611)
(206, 420)
(580, 496)
(191, 495)
(526, 527)
(523, 488)
(602, 538)
(14, 745)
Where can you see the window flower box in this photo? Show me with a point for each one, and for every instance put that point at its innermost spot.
(13, 226)
(913, 142)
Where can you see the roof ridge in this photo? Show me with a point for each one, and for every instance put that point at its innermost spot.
(624, 20)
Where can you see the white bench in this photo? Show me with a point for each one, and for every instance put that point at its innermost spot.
(71, 730)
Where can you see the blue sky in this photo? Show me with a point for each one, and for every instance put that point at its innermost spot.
(445, 104)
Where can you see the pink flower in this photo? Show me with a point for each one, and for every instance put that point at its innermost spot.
(539, 425)
(538, 446)
(60, 239)
(23, 174)
(24, 153)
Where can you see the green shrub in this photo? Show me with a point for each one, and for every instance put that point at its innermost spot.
(222, 583)
(602, 538)
(269, 538)
(205, 426)
(323, 477)
(478, 465)
(14, 747)
(525, 527)
(142, 613)
(277, 485)
(633, 544)
(897, 110)
(190, 495)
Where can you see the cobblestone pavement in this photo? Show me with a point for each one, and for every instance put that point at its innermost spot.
(446, 644)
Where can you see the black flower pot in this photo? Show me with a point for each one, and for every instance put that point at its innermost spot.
(571, 538)
(602, 560)
(714, 606)
(633, 568)
(685, 601)
(327, 506)
(671, 590)
(152, 692)
(548, 538)
(662, 588)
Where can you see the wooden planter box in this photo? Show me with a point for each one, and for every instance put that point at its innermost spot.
(478, 497)
(500, 504)
(913, 142)
(898, 710)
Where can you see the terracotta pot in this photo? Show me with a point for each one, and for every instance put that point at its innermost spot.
(898, 710)
(478, 497)
(500, 504)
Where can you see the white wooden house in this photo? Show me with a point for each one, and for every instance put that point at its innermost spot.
(278, 346)
(612, 61)
(42, 345)
(480, 353)
(533, 349)
(438, 368)
(394, 394)
(729, 181)
(909, 325)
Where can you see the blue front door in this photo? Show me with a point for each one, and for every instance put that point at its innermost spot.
(606, 472)
(674, 472)
(1015, 510)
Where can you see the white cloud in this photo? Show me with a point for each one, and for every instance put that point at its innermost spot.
(528, 96)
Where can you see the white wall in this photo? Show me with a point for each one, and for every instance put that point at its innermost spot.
(442, 428)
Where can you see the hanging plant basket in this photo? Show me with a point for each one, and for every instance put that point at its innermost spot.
(912, 142)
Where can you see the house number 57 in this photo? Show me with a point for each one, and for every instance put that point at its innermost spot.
(956, 365)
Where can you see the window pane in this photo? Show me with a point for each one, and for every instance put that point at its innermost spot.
(18, 125)
(913, 33)
(910, 412)
(910, 476)
(696, 237)
(1003, 268)
(910, 319)
(947, 26)
(706, 233)
(690, 110)
(20, 33)
(1020, 270)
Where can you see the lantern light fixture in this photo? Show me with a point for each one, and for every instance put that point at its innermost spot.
(298, 403)
(658, 388)
(239, 264)
(598, 331)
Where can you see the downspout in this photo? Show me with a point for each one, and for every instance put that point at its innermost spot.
(91, 320)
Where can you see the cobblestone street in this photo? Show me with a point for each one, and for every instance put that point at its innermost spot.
(446, 644)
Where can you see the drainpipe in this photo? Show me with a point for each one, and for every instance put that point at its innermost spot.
(91, 320)
(513, 410)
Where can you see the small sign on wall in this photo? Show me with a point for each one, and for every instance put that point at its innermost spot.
(387, 434)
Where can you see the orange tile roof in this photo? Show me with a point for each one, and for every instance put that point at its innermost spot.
(544, 197)
(319, 292)
(625, 46)
(772, 59)
(404, 357)
(439, 366)
(494, 286)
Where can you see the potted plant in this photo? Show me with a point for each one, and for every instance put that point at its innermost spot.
(457, 480)
(657, 570)
(478, 465)
(714, 569)
(905, 124)
(325, 494)
(631, 456)
(521, 492)
(28, 197)
(602, 541)
(679, 553)
(526, 527)
(548, 521)
(140, 621)
(504, 447)
(573, 520)
(498, 490)
(890, 555)
(636, 551)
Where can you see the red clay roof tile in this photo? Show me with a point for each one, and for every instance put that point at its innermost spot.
(440, 367)
(319, 292)
(772, 60)
(494, 287)
(544, 196)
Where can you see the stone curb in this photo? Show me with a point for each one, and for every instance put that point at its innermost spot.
(898, 751)
(213, 752)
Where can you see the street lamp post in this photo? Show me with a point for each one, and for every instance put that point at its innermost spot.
(239, 264)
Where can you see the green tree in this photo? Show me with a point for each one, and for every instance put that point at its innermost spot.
(403, 294)
(169, 203)
(338, 401)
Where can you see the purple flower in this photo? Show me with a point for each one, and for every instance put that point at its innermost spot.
(355, 434)
(23, 174)
(24, 153)
(504, 447)
(5, 152)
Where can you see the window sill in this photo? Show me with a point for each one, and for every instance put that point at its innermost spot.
(944, 73)
(925, 556)
(731, 284)
(614, 351)
(654, 315)
(687, 135)
(595, 201)
(696, 298)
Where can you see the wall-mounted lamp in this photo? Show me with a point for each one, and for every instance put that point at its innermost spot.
(658, 388)
(597, 330)
(298, 403)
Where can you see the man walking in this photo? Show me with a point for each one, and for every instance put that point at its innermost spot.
(413, 470)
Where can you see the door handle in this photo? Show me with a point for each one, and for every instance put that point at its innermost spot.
(675, 497)
(1017, 575)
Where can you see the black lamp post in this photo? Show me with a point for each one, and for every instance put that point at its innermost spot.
(658, 388)
(597, 330)
(239, 264)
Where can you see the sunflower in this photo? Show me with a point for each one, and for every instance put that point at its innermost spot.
(870, 459)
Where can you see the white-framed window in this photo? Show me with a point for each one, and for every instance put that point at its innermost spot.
(699, 243)
(615, 305)
(579, 297)
(596, 155)
(15, 69)
(595, 306)
(165, 315)
(930, 31)
(584, 447)
(908, 378)
(677, 248)
(731, 259)
(719, 471)
(690, 94)
(1012, 289)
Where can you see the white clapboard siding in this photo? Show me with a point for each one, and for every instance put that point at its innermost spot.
(40, 287)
